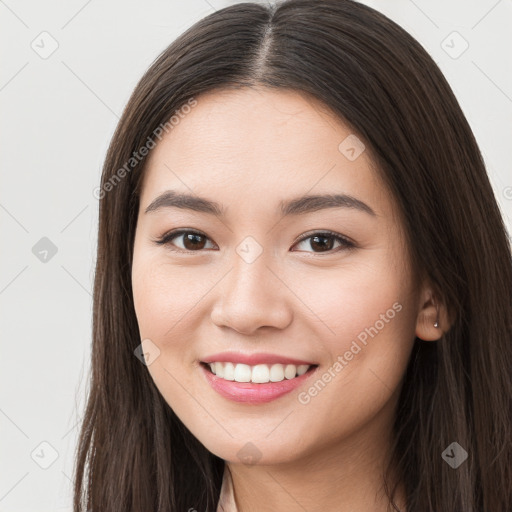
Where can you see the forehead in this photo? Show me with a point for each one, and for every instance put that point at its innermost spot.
(255, 144)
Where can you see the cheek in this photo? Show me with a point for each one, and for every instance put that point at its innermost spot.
(165, 296)
(164, 299)
(353, 301)
(367, 333)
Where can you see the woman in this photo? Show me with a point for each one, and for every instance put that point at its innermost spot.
(303, 284)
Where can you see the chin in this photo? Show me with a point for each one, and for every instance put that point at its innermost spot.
(255, 451)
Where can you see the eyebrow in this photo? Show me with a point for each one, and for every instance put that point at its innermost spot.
(297, 206)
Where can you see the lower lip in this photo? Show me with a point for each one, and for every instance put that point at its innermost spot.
(248, 392)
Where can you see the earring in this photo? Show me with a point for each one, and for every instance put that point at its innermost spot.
(436, 323)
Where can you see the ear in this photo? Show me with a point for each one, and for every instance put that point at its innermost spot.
(431, 312)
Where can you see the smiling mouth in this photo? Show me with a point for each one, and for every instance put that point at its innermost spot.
(259, 373)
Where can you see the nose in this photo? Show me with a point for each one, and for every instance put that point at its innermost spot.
(251, 296)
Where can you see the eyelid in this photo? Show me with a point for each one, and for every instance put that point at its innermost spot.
(342, 238)
(170, 235)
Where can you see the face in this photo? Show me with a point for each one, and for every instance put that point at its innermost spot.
(275, 285)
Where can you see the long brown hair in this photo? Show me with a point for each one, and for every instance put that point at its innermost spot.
(133, 452)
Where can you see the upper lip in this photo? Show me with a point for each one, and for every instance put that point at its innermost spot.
(253, 359)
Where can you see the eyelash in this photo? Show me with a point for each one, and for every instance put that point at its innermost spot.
(345, 242)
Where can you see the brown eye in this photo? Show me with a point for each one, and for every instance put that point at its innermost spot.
(191, 240)
(324, 242)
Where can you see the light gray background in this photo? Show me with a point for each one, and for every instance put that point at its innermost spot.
(58, 115)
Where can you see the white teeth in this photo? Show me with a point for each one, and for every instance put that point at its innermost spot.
(242, 372)
(219, 369)
(276, 373)
(229, 371)
(259, 374)
(290, 371)
(302, 369)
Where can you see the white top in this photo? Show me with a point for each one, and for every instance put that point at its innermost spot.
(227, 498)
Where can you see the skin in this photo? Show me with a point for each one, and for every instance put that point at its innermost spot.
(249, 149)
